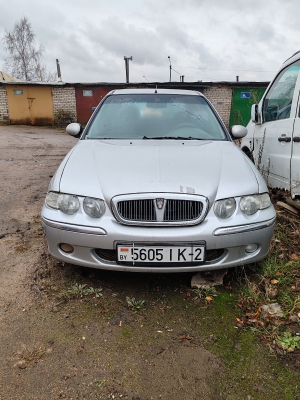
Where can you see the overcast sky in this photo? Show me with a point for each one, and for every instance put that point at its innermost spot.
(208, 40)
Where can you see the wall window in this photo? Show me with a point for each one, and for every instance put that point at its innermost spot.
(88, 93)
(18, 92)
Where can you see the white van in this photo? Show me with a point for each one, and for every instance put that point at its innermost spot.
(273, 139)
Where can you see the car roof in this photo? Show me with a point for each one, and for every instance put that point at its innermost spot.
(157, 91)
(292, 58)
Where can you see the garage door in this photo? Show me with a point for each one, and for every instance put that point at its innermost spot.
(30, 105)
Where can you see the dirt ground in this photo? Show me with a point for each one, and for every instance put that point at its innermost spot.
(138, 337)
(34, 367)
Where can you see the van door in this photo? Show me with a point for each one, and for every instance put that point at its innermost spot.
(273, 138)
(295, 161)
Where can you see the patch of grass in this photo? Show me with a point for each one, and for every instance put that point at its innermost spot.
(288, 341)
(126, 332)
(203, 292)
(274, 284)
(80, 290)
(135, 305)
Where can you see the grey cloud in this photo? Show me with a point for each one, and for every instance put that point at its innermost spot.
(91, 38)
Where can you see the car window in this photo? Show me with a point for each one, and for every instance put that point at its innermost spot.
(155, 116)
(278, 101)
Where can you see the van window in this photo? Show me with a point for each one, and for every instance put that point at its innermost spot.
(278, 101)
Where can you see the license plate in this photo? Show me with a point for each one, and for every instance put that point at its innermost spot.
(193, 253)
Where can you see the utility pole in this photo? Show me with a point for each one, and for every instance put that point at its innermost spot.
(170, 68)
(127, 67)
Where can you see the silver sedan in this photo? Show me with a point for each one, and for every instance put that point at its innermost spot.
(156, 184)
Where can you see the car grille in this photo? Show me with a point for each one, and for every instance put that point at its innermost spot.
(182, 210)
(146, 210)
(137, 210)
(112, 256)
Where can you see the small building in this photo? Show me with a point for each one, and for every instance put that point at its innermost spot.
(37, 103)
(59, 103)
(223, 95)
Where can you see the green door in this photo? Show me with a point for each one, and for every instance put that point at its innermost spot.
(242, 100)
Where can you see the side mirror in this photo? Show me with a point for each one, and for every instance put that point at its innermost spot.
(256, 113)
(254, 116)
(238, 131)
(74, 129)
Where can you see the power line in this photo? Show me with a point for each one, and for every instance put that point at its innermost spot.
(176, 71)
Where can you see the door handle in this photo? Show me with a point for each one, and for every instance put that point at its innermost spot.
(284, 139)
(296, 139)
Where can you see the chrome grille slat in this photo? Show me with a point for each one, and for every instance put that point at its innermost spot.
(137, 210)
(143, 210)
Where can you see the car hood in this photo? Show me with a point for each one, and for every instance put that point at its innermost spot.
(106, 168)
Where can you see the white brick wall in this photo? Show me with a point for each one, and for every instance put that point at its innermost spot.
(220, 96)
(4, 115)
(64, 104)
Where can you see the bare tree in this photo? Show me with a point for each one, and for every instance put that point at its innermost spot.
(25, 58)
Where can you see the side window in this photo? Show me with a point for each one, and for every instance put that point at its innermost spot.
(278, 101)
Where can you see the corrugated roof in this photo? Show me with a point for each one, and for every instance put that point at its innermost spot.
(4, 77)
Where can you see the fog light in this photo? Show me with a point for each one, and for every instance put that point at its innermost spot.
(251, 248)
(67, 248)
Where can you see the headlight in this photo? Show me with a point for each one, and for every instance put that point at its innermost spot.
(225, 208)
(95, 208)
(249, 205)
(52, 200)
(67, 203)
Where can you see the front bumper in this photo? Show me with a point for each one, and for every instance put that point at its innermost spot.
(95, 247)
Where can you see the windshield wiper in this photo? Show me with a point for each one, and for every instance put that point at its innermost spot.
(100, 138)
(172, 138)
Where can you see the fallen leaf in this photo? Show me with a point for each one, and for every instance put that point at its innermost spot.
(208, 298)
(274, 281)
(185, 337)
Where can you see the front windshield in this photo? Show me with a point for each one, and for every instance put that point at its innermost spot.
(155, 116)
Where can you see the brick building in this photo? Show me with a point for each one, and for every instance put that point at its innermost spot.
(20, 102)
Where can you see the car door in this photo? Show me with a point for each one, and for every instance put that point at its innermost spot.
(273, 138)
(295, 160)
